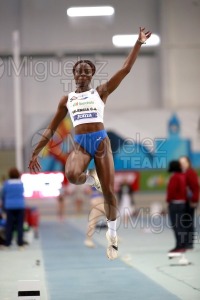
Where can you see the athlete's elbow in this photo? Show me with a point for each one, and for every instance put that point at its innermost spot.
(126, 70)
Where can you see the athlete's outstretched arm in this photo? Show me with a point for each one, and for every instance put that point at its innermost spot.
(61, 112)
(107, 88)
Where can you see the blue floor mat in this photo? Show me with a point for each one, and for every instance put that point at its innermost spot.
(75, 272)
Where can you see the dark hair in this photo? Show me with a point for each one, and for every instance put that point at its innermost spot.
(174, 166)
(14, 173)
(187, 158)
(87, 62)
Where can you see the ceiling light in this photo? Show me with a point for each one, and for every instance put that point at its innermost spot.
(89, 11)
(128, 40)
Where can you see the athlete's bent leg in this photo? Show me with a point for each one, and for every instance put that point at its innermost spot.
(76, 165)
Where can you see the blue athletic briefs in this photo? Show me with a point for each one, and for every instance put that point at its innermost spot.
(90, 141)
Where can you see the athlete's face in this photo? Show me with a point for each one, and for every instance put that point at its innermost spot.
(83, 75)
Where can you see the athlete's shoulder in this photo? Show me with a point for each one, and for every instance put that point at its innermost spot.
(103, 91)
(63, 102)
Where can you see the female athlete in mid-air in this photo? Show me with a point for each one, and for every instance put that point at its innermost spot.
(86, 109)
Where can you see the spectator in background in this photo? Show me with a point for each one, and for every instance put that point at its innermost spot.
(192, 184)
(126, 201)
(176, 197)
(14, 205)
(78, 195)
(2, 228)
(61, 200)
(97, 211)
(61, 204)
(2, 180)
(2, 217)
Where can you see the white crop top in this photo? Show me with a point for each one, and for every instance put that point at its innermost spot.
(86, 107)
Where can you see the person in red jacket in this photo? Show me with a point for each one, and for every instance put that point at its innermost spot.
(176, 197)
(192, 183)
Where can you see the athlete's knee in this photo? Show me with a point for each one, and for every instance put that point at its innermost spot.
(72, 176)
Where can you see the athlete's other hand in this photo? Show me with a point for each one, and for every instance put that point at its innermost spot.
(34, 165)
(143, 36)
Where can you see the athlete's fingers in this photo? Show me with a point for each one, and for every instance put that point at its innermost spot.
(34, 166)
(35, 169)
(149, 34)
(37, 166)
(31, 167)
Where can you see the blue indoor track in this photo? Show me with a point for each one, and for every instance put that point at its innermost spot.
(76, 272)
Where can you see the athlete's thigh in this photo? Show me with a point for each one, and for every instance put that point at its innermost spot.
(104, 164)
(77, 160)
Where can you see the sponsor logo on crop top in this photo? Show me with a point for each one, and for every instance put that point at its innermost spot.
(78, 98)
(85, 116)
(83, 109)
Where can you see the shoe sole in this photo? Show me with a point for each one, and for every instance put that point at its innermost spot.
(111, 257)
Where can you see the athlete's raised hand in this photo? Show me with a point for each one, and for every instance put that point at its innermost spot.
(107, 88)
(143, 36)
(34, 165)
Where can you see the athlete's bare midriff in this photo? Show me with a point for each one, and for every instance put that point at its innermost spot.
(88, 127)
